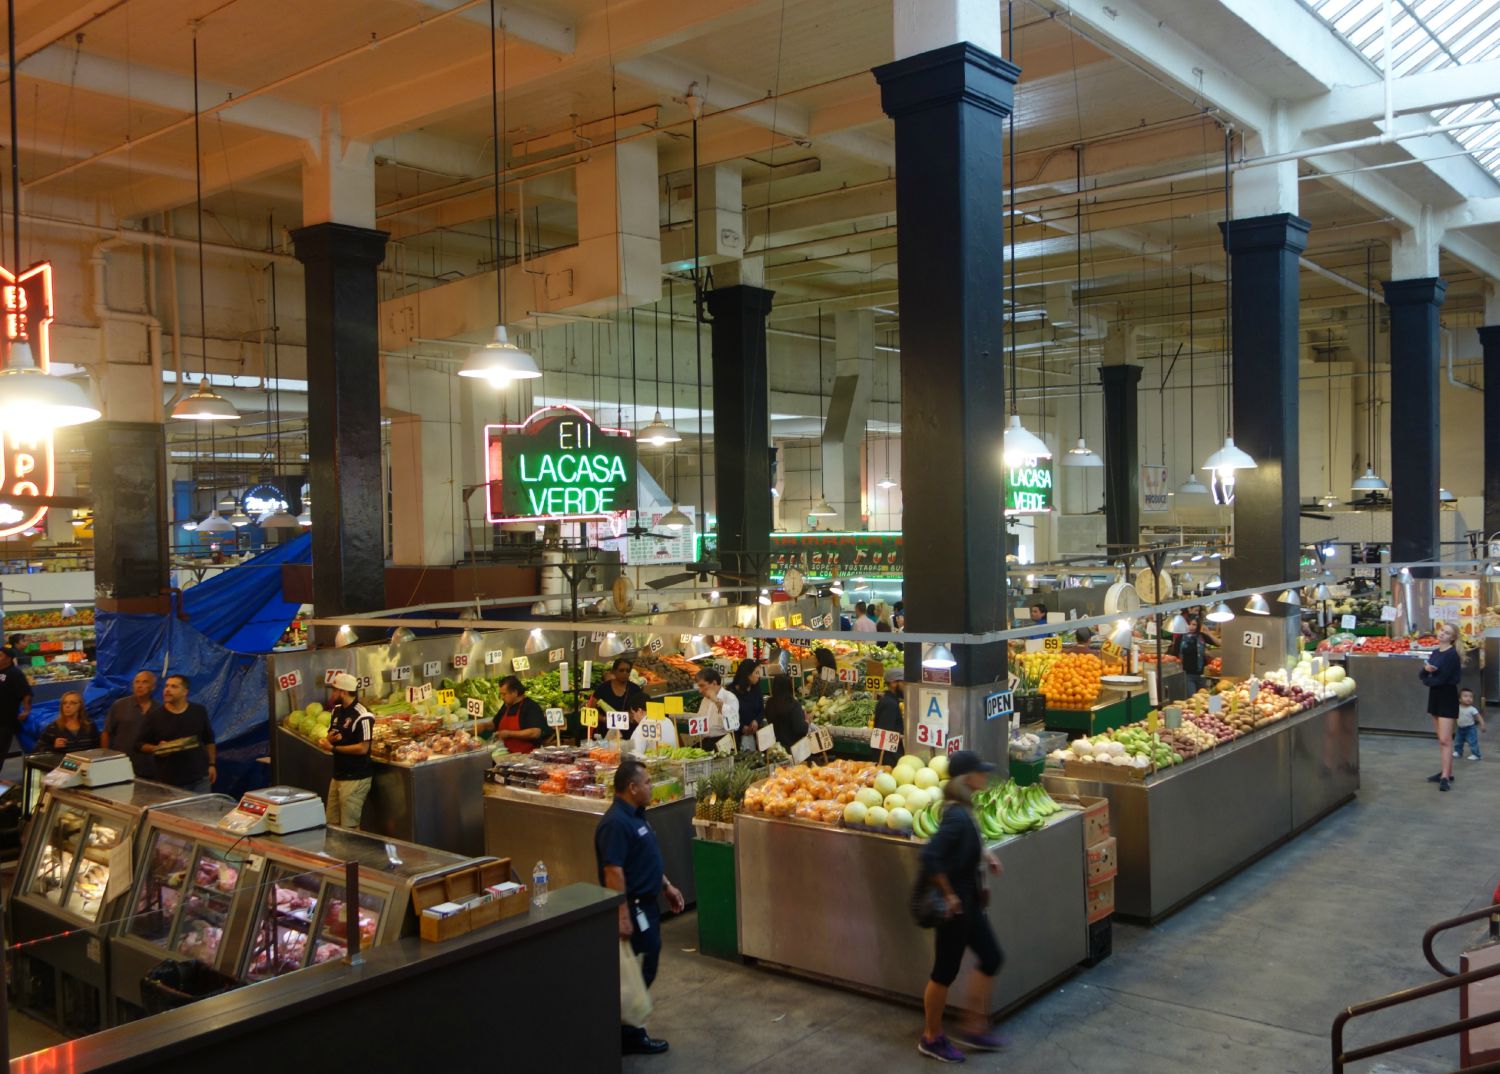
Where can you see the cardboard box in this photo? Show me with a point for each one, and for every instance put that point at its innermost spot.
(1101, 901)
(1095, 815)
(1102, 861)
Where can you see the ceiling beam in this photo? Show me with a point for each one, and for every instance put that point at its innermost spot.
(540, 30)
(1427, 91)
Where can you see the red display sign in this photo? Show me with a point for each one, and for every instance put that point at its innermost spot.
(26, 459)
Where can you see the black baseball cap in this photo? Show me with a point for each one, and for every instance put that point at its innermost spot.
(962, 762)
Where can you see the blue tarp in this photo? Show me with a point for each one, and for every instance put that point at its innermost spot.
(232, 616)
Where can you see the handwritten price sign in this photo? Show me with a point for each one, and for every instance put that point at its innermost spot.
(446, 697)
(460, 660)
(1052, 644)
(556, 656)
(494, 656)
(617, 721)
(290, 680)
(589, 718)
(1109, 648)
(885, 741)
(931, 735)
(475, 707)
(874, 683)
(650, 730)
(431, 669)
(521, 663)
(556, 718)
(697, 725)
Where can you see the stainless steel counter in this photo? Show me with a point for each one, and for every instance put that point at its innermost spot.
(1395, 699)
(1185, 829)
(433, 804)
(528, 826)
(832, 903)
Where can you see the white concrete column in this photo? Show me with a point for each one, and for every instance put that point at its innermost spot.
(848, 410)
(427, 463)
(1271, 188)
(924, 25)
(1414, 255)
(338, 178)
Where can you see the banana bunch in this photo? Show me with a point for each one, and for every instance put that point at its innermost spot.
(1010, 809)
(925, 824)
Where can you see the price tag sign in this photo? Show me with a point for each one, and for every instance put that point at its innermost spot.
(765, 738)
(401, 674)
(557, 656)
(849, 675)
(416, 694)
(475, 707)
(1052, 644)
(955, 743)
(725, 744)
(732, 721)
(656, 645)
(589, 718)
(779, 623)
(673, 705)
(697, 725)
(684, 639)
(874, 683)
(1150, 628)
(1033, 645)
(1109, 648)
(1387, 614)
(1348, 622)
(1254, 690)
(1216, 704)
(494, 656)
(618, 721)
(1254, 639)
(823, 739)
(521, 663)
(931, 735)
(330, 674)
(932, 718)
(364, 682)
(556, 718)
(460, 660)
(655, 710)
(1151, 722)
(431, 669)
(650, 731)
(999, 704)
(801, 749)
(447, 697)
(885, 741)
(795, 671)
(289, 680)
(796, 619)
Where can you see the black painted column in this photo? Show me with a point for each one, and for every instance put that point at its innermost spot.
(1489, 338)
(949, 106)
(742, 422)
(1414, 306)
(343, 399)
(1122, 449)
(1263, 251)
(130, 490)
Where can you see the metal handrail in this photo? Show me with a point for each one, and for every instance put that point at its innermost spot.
(1369, 1051)
(1491, 912)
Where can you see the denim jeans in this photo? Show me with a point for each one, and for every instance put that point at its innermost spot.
(1468, 734)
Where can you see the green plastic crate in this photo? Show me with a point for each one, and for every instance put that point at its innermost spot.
(718, 908)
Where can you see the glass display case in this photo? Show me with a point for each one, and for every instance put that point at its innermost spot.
(302, 919)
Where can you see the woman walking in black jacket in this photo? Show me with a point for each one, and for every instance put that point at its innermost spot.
(955, 861)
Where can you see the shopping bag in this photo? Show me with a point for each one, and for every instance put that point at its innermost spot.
(635, 998)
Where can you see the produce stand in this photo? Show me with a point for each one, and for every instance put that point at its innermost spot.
(1116, 707)
(261, 907)
(62, 899)
(435, 803)
(832, 903)
(528, 826)
(1185, 828)
(1393, 679)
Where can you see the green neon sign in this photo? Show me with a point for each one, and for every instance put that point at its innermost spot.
(561, 465)
(1028, 487)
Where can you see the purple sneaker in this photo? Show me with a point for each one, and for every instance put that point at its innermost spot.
(988, 1040)
(941, 1049)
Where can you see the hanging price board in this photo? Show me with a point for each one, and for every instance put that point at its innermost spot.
(697, 725)
(589, 718)
(431, 669)
(556, 718)
(521, 663)
(494, 656)
(447, 697)
(475, 707)
(618, 721)
(460, 660)
(290, 680)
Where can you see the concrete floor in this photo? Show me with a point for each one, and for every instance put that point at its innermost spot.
(1247, 979)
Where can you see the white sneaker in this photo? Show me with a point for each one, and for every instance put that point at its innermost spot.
(1473, 756)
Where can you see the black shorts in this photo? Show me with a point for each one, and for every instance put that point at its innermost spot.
(1443, 701)
(968, 930)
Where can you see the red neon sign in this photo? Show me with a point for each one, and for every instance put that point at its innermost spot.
(26, 458)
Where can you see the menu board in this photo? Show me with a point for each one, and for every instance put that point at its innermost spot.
(661, 544)
(1456, 600)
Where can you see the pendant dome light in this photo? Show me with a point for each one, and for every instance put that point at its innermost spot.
(1369, 481)
(1221, 613)
(1228, 458)
(821, 509)
(676, 518)
(500, 362)
(1256, 605)
(1080, 455)
(30, 397)
(657, 432)
(215, 523)
(239, 519)
(205, 404)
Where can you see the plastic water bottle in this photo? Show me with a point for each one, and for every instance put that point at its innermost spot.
(539, 884)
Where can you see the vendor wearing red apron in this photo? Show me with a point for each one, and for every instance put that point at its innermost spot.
(521, 722)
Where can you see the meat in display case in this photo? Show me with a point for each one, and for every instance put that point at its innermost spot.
(71, 888)
(259, 907)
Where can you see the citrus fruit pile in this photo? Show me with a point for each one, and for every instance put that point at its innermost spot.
(1073, 682)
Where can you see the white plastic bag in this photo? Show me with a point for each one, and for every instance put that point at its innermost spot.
(635, 997)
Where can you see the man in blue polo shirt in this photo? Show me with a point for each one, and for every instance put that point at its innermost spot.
(630, 862)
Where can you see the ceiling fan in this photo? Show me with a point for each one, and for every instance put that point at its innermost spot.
(1314, 509)
(699, 571)
(1371, 501)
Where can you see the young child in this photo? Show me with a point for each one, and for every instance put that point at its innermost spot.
(1468, 718)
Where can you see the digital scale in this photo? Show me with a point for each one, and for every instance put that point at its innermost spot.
(280, 810)
(91, 768)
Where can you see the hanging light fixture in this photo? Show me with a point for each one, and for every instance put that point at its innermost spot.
(190, 525)
(1192, 486)
(938, 656)
(1322, 593)
(611, 645)
(1124, 634)
(1214, 582)
(821, 509)
(676, 518)
(1022, 444)
(402, 636)
(1080, 455)
(278, 520)
(536, 641)
(500, 362)
(239, 519)
(1370, 481)
(205, 404)
(658, 433)
(1290, 597)
(305, 518)
(215, 523)
(344, 637)
(1220, 613)
(468, 639)
(1257, 605)
(888, 482)
(1178, 625)
(1444, 496)
(1228, 458)
(764, 598)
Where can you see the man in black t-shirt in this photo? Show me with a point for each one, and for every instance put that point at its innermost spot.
(180, 739)
(350, 730)
(15, 700)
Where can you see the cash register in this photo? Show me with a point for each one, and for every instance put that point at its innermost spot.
(279, 810)
(90, 768)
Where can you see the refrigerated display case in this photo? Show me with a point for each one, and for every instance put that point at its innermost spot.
(75, 871)
(259, 907)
